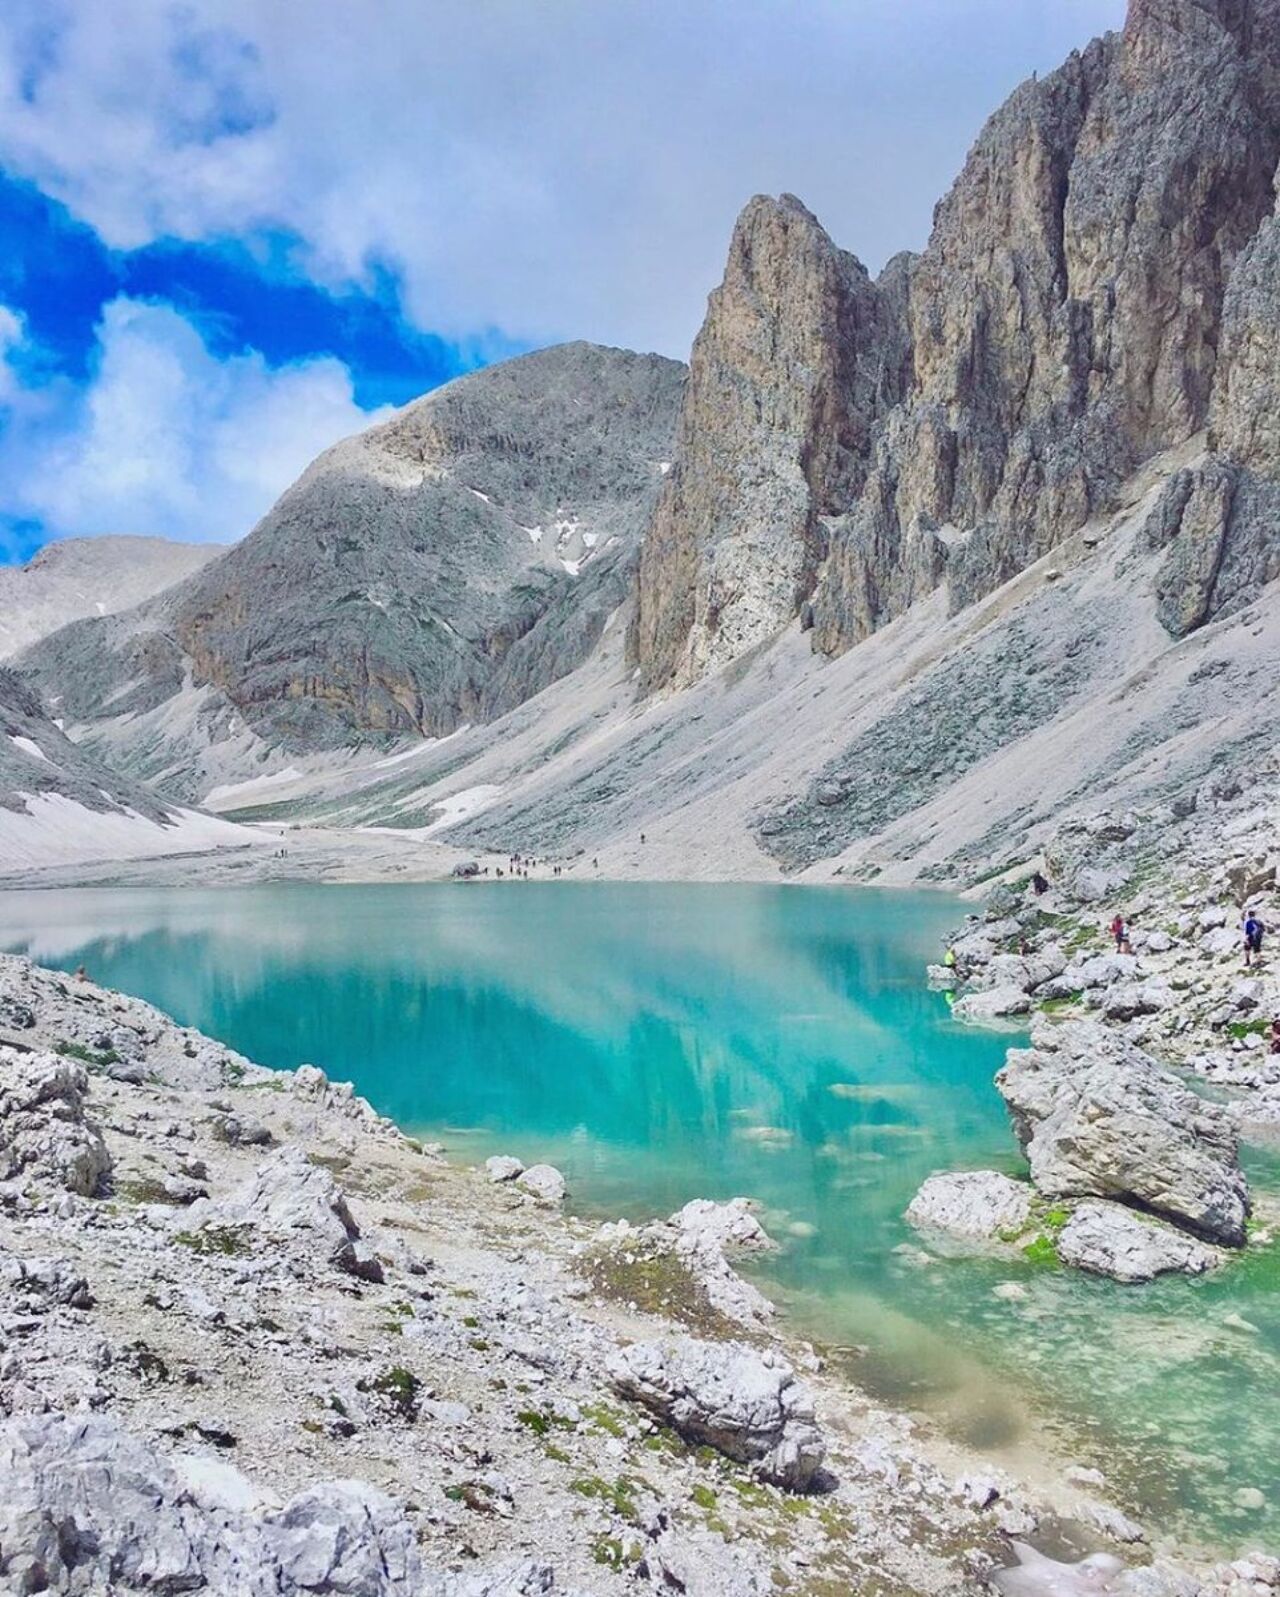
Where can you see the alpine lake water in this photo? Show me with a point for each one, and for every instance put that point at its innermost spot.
(664, 1042)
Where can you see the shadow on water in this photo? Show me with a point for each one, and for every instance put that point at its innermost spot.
(665, 1042)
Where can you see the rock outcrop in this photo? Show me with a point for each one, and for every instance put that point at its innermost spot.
(800, 356)
(45, 1140)
(1108, 1239)
(1073, 315)
(749, 1406)
(1097, 1117)
(292, 1201)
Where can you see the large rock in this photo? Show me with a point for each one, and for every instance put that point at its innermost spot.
(1098, 1118)
(747, 1405)
(976, 1204)
(992, 1003)
(542, 1181)
(1108, 1239)
(297, 1202)
(43, 1132)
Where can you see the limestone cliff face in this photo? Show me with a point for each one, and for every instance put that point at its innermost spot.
(800, 356)
(1063, 326)
(1219, 522)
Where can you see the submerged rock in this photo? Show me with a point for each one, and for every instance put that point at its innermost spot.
(1108, 1239)
(992, 1003)
(1098, 1118)
(747, 1405)
(976, 1204)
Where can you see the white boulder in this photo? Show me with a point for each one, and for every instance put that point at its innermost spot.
(747, 1405)
(976, 1204)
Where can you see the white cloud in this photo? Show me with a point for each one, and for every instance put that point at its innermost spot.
(165, 438)
(565, 168)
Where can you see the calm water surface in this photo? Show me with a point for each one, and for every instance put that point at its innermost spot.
(666, 1042)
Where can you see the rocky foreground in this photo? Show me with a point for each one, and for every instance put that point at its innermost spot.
(255, 1340)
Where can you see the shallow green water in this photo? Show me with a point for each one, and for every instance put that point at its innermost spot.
(663, 1042)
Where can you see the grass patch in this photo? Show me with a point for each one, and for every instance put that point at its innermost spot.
(1042, 1250)
(1240, 1029)
(146, 1190)
(703, 1496)
(656, 1283)
(618, 1496)
(614, 1554)
(610, 1421)
(95, 1059)
(211, 1241)
(1054, 1006)
(399, 1389)
(540, 1422)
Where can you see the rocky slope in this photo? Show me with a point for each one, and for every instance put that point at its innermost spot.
(255, 1341)
(59, 804)
(1076, 312)
(437, 569)
(89, 577)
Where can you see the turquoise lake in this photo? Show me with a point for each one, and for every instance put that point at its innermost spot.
(662, 1042)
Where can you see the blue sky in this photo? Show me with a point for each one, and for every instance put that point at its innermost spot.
(228, 237)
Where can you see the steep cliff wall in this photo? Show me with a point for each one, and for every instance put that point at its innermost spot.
(1064, 325)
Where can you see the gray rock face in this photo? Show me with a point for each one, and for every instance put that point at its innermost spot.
(38, 759)
(975, 1204)
(1097, 1118)
(800, 354)
(439, 568)
(1062, 327)
(1108, 1239)
(88, 1508)
(294, 1201)
(1220, 521)
(747, 1405)
(43, 1133)
(89, 577)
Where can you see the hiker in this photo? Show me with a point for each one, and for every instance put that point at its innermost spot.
(1040, 882)
(1253, 930)
(1120, 932)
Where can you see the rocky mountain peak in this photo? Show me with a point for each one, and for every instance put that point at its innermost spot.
(847, 446)
(799, 356)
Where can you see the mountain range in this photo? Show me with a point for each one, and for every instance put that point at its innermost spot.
(900, 571)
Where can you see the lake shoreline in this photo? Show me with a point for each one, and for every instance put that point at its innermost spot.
(493, 1248)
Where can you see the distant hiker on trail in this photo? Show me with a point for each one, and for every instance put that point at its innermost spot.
(1040, 882)
(1253, 930)
(1120, 932)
